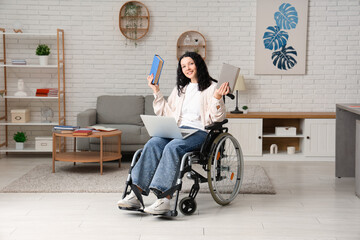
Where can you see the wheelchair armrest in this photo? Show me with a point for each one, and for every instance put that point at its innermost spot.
(216, 125)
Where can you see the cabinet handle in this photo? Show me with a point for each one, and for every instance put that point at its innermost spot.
(259, 137)
(307, 137)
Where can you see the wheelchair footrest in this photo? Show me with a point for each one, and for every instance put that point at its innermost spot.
(132, 209)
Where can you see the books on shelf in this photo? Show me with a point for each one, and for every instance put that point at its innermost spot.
(18, 62)
(102, 128)
(46, 92)
(156, 68)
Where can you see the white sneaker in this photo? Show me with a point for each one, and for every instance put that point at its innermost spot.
(130, 201)
(160, 206)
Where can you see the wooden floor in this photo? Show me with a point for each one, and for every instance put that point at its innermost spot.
(310, 204)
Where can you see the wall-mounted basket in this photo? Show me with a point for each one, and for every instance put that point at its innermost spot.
(191, 41)
(134, 20)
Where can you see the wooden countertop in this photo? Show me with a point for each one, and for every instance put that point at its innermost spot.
(284, 115)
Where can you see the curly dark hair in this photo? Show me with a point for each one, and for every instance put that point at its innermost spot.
(204, 79)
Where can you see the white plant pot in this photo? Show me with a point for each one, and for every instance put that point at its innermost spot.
(44, 60)
(19, 145)
(245, 111)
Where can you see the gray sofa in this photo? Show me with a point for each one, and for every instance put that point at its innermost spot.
(121, 112)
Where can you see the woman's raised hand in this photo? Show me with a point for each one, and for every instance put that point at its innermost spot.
(223, 90)
(155, 88)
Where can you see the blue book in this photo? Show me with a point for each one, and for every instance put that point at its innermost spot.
(61, 127)
(156, 68)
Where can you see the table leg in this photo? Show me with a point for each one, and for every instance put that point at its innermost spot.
(74, 148)
(54, 152)
(101, 155)
(119, 150)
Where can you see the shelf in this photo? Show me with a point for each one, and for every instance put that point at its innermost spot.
(134, 16)
(85, 156)
(29, 124)
(26, 149)
(28, 34)
(29, 66)
(270, 135)
(200, 45)
(31, 97)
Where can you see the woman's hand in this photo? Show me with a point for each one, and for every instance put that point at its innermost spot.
(223, 90)
(155, 88)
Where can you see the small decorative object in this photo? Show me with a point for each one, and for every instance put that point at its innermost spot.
(20, 138)
(273, 149)
(47, 114)
(17, 27)
(290, 150)
(187, 40)
(20, 115)
(245, 109)
(20, 92)
(134, 20)
(196, 41)
(239, 86)
(43, 52)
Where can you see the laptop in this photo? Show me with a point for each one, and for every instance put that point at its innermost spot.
(166, 127)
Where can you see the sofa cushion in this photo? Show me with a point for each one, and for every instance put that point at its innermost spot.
(120, 109)
(149, 109)
(131, 134)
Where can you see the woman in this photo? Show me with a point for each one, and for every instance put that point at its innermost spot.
(194, 103)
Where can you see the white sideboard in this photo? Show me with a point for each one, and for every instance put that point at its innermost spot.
(314, 139)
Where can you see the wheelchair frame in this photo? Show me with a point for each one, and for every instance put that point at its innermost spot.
(205, 157)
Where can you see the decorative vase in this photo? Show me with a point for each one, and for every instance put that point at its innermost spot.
(44, 60)
(19, 145)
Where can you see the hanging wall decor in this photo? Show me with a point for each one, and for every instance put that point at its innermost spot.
(134, 20)
(281, 32)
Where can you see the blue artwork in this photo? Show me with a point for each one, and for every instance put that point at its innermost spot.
(276, 39)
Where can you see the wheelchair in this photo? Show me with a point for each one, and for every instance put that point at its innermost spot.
(221, 158)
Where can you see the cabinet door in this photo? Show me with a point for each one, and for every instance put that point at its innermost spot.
(319, 137)
(248, 132)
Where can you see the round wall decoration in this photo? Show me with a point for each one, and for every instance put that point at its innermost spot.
(134, 20)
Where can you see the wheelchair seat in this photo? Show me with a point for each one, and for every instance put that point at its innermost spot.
(220, 156)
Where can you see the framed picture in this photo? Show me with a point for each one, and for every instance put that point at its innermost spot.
(281, 33)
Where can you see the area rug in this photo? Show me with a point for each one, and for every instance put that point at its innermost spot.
(86, 178)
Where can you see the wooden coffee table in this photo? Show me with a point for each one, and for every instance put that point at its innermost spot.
(92, 156)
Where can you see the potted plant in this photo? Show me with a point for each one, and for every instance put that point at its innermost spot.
(43, 52)
(133, 11)
(20, 138)
(245, 109)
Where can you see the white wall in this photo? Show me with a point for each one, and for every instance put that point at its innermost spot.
(98, 60)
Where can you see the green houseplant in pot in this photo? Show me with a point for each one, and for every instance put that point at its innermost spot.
(43, 51)
(245, 109)
(20, 138)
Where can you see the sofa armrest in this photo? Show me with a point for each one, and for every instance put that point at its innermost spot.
(86, 118)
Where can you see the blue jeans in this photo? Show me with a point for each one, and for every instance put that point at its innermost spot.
(159, 164)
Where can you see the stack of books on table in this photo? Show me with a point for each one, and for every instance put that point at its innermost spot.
(82, 132)
(65, 129)
(47, 92)
(18, 62)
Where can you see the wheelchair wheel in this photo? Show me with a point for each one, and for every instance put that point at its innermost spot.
(187, 205)
(225, 169)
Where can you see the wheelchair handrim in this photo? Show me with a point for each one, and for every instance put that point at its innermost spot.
(214, 186)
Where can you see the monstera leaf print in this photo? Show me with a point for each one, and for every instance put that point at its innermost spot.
(287, 17)
(275, 39)
(283, 59)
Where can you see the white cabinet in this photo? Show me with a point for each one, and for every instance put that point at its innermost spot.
(248, 132)
(319, 137)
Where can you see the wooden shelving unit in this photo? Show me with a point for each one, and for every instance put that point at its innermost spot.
(134, 25)
(59, 67)
(186, 43)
